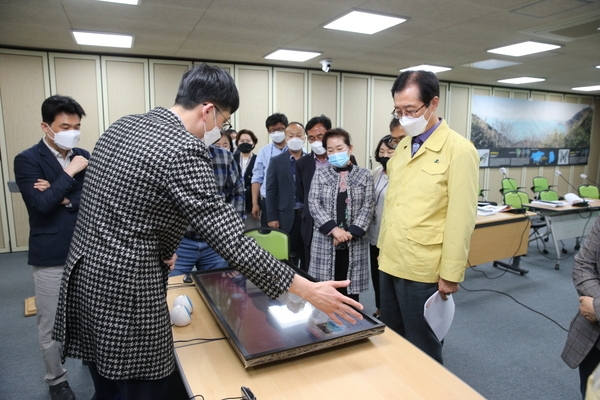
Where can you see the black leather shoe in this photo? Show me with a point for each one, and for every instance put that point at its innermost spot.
(62, 391)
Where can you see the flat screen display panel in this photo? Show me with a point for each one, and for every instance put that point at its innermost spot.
(263, 330)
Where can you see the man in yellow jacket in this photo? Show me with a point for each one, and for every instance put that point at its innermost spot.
(429, 213)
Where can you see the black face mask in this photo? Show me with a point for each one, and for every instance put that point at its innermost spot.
(383, 161)
(245, 147)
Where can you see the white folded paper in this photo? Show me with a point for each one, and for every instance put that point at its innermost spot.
(439, 314)
(553, 203)
(490, 209)
(572, 198)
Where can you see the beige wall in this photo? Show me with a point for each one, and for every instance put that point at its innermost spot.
(109, 87)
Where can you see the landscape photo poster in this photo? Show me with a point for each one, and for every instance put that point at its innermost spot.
(527, 133)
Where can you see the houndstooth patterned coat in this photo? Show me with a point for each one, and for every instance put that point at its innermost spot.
(583, 334)
(147, 178)
(322, 202)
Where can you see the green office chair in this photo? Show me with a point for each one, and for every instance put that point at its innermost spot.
(548, 195)
(275, 241)
(517, 199)
(589, 191)
(510, 185)
(540, 183)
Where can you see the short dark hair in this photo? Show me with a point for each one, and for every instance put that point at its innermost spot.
(275, 119)
(249, 133)
(427, 82)
(228, 136)
(207, 84)
(394, 123)
(57, 104)
(384, 140)
(336, 132)
(322, 119)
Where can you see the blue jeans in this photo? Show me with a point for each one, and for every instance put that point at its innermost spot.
(198, 253)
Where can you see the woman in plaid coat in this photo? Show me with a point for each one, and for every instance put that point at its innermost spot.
(583, 345)
(341, 203)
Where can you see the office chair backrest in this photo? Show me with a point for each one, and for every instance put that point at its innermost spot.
(589, 191)
(540, 183)
(516, 199)
(275, 241)
(509, 185)
(548, 195)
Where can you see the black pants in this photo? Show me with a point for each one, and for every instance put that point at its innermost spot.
(128, 389)
(587, 366)
(342, 259)
(373, 254)
(297, 255)
(263, 213)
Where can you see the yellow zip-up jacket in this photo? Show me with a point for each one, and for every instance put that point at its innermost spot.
(430, 208)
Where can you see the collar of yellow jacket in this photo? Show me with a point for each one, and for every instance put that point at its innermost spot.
(436, 141)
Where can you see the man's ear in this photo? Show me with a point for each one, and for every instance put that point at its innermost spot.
(44, 127)
(204, 110)
(434, 103)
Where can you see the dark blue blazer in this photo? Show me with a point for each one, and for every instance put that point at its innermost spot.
(305, 169)
(51, 224)
(281, 192)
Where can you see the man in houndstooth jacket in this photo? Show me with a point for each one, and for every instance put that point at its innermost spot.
(582, 347)
(148, 176)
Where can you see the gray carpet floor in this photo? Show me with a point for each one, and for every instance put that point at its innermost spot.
(503, 349)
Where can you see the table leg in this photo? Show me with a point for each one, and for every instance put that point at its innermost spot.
(513, 267)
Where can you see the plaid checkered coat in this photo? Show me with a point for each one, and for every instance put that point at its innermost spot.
(322, 202)
(147, 178)
(583, 334)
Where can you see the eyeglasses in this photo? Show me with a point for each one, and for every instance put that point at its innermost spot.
(226, 125)
(392, 143)
(410, 114)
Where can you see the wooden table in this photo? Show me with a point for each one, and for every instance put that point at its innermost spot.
(381, 367)
(499, 236)
(567, 222)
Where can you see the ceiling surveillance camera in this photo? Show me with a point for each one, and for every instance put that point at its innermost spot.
(326, 65)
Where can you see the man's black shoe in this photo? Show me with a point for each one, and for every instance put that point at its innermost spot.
(62, 391)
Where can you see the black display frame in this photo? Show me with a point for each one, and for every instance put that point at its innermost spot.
(365, 328)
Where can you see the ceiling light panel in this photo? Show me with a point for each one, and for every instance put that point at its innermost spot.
(103, 39)
(587, 88)
(291, 55)
(521, 80)
(426, 67)
(492, 64)
(363, 22)
(524, 48)
(130, 2)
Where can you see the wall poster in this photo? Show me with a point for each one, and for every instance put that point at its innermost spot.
(528, 133)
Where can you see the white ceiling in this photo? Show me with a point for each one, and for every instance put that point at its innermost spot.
(442, 32)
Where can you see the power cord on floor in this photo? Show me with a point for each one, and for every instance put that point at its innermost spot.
(516, 301)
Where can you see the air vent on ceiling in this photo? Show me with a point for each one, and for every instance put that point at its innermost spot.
(579, 31)
(570, 29)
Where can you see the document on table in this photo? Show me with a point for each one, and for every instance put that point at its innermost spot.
(553, 203)
(439, 314)
(490, 209)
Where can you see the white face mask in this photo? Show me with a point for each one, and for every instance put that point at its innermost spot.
(414, 126)
(295, 144)
(66, 140)
(318, 148)
(213, 135)
(277, 136)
